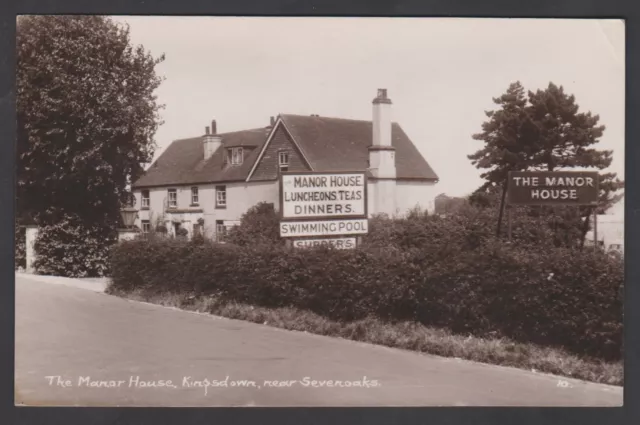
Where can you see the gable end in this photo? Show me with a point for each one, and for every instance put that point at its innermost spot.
(266, 167)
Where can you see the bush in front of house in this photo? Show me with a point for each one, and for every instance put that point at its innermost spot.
(544, 295)
(72, 248)
(258, 226)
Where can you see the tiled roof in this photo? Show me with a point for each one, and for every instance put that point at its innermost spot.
(336, 144)
(330, 144)
(183, 161)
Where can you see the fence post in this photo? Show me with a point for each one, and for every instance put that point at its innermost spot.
(595, 228)
(31, 234)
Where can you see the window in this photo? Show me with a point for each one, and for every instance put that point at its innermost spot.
(234, 156)
(173, 198)
(283, 160)
(237, 155)
(194, 196)
(196, 229)
(221, 196)
(221, 231)
(145, 199)
(146, 226)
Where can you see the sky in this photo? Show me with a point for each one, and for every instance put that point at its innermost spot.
(441, 75)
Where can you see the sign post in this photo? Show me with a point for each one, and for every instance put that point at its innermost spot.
(595, 229)
(509, 222)
(323, 208)
(554, 188)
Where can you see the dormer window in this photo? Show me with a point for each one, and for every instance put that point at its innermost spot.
(283, 160)
(235, 156)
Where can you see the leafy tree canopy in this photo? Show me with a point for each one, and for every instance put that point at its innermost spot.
(86, 113)
(542, 130)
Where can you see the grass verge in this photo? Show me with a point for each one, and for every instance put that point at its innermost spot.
(405, 335)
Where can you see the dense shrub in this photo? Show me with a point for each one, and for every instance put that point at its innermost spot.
(73, 249)
(20, 247)
(258, 226)
(431, 271)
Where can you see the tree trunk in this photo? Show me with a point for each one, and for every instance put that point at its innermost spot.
(585, 227)
(504, 194)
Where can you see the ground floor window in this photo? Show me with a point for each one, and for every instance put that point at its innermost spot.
(146, 226)
(197, 229)
(221, 231)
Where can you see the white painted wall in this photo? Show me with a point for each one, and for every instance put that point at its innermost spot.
(610, 227)
(382, 197)
(240, 197)
(410, 194)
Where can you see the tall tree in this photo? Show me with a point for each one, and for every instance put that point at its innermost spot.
(86, 113)
(508, 142)
(544, 131)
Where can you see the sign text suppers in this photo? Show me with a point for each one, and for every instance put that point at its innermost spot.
(323, 195)
(338, 243)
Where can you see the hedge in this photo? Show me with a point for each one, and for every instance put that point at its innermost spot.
(72, 248)
(462, 281)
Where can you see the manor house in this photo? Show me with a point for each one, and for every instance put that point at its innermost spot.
(206, 183)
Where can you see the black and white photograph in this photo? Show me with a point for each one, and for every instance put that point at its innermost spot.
(226, 211)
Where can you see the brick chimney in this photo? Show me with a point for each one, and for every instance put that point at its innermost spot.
(272, 122)
(211, 141)
(382, 157)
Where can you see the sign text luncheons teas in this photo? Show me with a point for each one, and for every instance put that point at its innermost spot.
(323, 195)
(553, 187)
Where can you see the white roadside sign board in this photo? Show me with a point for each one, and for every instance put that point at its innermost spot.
(323, 195)
(338, 243)
(298, 229)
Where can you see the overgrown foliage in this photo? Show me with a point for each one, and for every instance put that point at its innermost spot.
(71, 248)
(258, 226)
(443, 273)
(86, 117)
(543, 130)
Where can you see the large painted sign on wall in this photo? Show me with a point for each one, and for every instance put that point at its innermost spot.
(330, 208)
(552, 188)
(320, 195)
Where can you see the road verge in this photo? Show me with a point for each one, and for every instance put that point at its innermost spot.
(404, 335)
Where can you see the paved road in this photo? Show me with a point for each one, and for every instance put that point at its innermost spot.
(85, 337)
